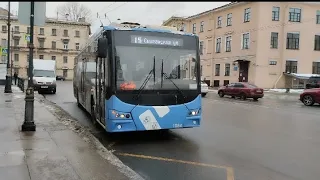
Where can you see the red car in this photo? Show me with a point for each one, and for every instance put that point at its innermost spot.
(310, 96)
(242, 90)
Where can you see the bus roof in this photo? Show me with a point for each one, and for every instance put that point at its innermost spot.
(147, 28)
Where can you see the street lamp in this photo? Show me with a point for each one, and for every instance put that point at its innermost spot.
(28, 124)
(7, 88)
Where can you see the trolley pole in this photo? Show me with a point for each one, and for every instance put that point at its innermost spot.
(28, 124)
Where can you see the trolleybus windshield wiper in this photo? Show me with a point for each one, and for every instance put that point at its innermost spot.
(153, 71)
(166, 76)
(179, 90)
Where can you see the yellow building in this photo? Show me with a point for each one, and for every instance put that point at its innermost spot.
(269, 44)
(58, 40)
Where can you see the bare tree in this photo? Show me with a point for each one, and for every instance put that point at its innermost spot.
(73, 11)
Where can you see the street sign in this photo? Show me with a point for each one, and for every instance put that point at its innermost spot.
(27, 37)
(39, 13)
(3, 51)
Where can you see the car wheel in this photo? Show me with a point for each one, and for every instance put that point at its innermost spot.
(221, 94)
(308, 100)
(203, 94)
(243, 96)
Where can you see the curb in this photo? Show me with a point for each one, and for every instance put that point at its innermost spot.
(86, 134)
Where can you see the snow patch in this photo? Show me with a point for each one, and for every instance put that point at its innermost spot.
(284, 90)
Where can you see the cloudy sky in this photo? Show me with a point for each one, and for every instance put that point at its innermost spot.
(142, 12)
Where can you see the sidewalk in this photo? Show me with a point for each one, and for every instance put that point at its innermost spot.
(55, 151)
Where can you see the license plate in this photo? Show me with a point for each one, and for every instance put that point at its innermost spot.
(44, 86)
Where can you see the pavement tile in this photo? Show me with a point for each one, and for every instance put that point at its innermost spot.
(84, 158)
(12, 158)
(19, 172)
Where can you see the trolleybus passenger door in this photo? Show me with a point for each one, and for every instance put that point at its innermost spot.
(100, 90)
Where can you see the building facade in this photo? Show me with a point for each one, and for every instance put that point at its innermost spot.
(58, 40)
(263, 43)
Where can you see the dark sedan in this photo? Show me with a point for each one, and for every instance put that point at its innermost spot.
(60, 78)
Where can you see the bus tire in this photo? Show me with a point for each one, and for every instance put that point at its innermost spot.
(78, 103)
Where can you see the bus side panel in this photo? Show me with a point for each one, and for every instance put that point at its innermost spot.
(141, 118)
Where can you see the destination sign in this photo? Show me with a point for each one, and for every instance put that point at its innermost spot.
(153, 40)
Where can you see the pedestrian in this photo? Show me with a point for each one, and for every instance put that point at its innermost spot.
(15, 78)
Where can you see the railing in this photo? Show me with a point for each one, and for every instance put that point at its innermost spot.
(21, 83)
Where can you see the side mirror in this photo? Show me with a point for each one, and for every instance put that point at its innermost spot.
(102, 47)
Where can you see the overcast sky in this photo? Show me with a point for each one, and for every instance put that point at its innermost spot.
(141, 12)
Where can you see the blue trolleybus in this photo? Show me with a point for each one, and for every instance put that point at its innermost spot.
(137, 78)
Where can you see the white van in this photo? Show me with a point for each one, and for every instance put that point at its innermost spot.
(44, 75)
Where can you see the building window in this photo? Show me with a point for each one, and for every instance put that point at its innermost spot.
(65, 73)
(293, 40)
(201, 68)
(272, 62)
(77, 46)
(295, 14)
(291, 66)
(194, 28)
(228, 44)
(201, 26)
(316, 68)
(219, 22)
(318, 16)
(218, 45)
(247, 15)
(54, 32)
(274, 40)
(65, 59)
(53, 45)
(16, 42)
(4, 42)
(65, 33)
(245, 41)
(16, 70)
(4, 28)
(41, 43)
(317, 43)
(227, 69)
(229, 19)
(65, 45)
(217, 71)
(41, 57)
(16, 30)
(28, 30)
(275, 13)
(16, 57)
(41, 31)
(77, 33)
(53, 58)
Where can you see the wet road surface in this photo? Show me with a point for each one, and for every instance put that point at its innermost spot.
(270, 139)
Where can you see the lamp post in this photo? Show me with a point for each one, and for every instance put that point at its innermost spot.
(28, 124)
(7, 88)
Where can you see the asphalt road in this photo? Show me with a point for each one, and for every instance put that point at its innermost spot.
(272, 139)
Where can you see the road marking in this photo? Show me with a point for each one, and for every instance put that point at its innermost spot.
(230, 172)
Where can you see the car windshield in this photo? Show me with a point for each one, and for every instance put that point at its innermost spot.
(43, 73)
(134, 64)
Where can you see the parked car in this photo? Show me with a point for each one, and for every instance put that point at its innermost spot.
(310, 96)
(313, 82)
(242, 90)
(204, 88)
(60, 78)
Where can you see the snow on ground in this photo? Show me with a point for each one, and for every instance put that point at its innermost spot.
(293, 91)
(284, 90)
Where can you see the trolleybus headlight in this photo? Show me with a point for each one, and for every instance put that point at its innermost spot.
(194, 112)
